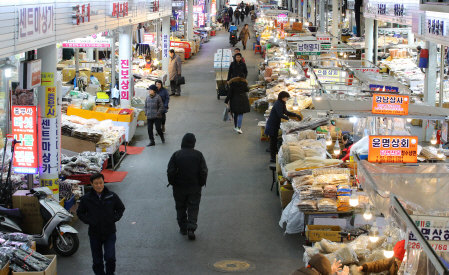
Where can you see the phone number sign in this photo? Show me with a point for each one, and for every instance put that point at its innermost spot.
(386, 104)
(393, 149)
(24, 130)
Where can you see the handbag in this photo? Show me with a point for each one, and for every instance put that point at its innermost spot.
(180, 80)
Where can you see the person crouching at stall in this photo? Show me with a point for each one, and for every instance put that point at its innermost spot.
(163, 93)
(153, 110)
(320, 265)
(238, 100)
(348, 141)
(391, 265)
(273, 125)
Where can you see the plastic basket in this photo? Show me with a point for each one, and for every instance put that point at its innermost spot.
(68, 204)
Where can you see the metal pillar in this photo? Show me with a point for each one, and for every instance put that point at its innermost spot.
(289, 5)
(125, 67)
(430, 83)
(158, 38)
(335, 21)
(185, 19)
(77, 62)
(441, 75)
(411, 38)
(165, 33)
(312, 12)
(369, 37)
(97, 54)
(190, 21)
(322, 14)
(90, 53)
(376, 36)
(49, 113)
(304, 10)
(113, 62)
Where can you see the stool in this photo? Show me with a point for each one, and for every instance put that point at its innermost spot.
(212, 33)
(254, 45)
(258, 49)
(273, 170)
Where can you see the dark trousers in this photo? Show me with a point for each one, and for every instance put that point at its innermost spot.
(187, 200)
(226, 25)
(163, 119)
(157, 122)
(237, 20)
(273, 146)
(175, 88)
(96, 246)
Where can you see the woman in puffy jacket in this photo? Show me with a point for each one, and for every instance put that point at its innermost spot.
(238, 100)
(163, 93)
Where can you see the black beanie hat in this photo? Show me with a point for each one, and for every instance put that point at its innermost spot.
(282, 95)
(188, 141)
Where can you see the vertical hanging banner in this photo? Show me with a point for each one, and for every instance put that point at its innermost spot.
(165, 45)
(24, 130)
(124, 79)
(49, 141)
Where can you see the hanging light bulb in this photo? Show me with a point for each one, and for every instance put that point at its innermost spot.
(353, 199)
(295, 104)
(388, 252)
(367, 215)
(433, 139)
(374, 233)
(353, 119)
(337, 148)
(440, 152)
(328, 139)
(409, 119)
(345, 55)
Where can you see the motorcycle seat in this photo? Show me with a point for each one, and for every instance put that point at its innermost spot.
(13, 213)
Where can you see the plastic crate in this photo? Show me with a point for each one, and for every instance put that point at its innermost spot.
(83, 178)
(68, 204)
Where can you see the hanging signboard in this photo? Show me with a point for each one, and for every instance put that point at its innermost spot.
(201, 20)
(196, 9)
(24, 130)
(93, 41)
(36, 22)
(148, 38)
(308, 48)
(365, 70)
(393, 149)
(383, 88)
(282, 18)
(30, 74)
(387, 104)
(434, 229)
(165, 45)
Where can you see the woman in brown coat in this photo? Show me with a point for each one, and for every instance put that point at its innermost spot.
(320, 265)
(244, 35)
(391, 265)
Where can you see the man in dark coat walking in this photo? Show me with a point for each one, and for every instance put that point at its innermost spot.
(237, 67)
(231, 13)
(101, 209)
(238, 100)
(278, 111)
(187, 173)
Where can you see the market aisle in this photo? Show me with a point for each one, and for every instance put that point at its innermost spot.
(238, 215)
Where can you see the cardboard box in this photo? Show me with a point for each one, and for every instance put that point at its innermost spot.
(142, 116)
(286, 193)
(32, 222)
(68, 62)
(51, 269)
(262, 134)
(416, 122)
(70, 73)
(77, 145)
(314, 233)
(5, 269)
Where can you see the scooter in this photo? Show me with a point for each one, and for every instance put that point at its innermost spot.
(233, 38)
(64, 237)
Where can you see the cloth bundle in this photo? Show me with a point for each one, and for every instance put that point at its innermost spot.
(327, 205)
(307, 206)
(330, 191)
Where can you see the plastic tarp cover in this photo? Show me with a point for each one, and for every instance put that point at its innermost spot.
(293, 217)
(422, 187)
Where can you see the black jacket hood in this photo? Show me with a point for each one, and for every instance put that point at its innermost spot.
(188, 141)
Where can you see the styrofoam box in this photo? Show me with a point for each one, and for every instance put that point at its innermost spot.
(225, 64)
(226, 59)
(220, 51)
(217, 64)
(217, 57)
(227, 53)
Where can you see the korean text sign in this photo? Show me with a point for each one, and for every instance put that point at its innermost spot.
(393, 149)
(309, 48)
(36, 22)
(388, 104)
(434, 229)
(24, 130)
(124, 78)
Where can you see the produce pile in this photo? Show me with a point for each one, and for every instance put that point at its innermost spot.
(68, 188)
(85, 163)
(15, 248)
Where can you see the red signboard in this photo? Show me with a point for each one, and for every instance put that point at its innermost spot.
(148, 38)
(393, 149)
(201, 19)
(82, 14)
(24, 130)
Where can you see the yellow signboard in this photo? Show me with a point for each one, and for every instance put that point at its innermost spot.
(47, 79)
(52, 184)
(50, 102)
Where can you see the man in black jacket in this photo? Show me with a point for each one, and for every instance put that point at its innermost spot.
(101, 209)
(187, 173)
(237, 67)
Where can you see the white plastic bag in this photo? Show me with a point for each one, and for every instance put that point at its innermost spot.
(293, 217)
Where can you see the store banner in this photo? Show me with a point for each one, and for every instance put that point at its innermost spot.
(387, 104)
(383, 88)
(308, 48)
(49, 145)
(24, 130)
(50, 102)
(282, 19)
(393, 149)
(124, 78)
(47, 79)
(366, 70)
(434, 229)
(148, 38)
(213, 7)
(93, 41)
(36, 22)
(165, 45)
(52, 184)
